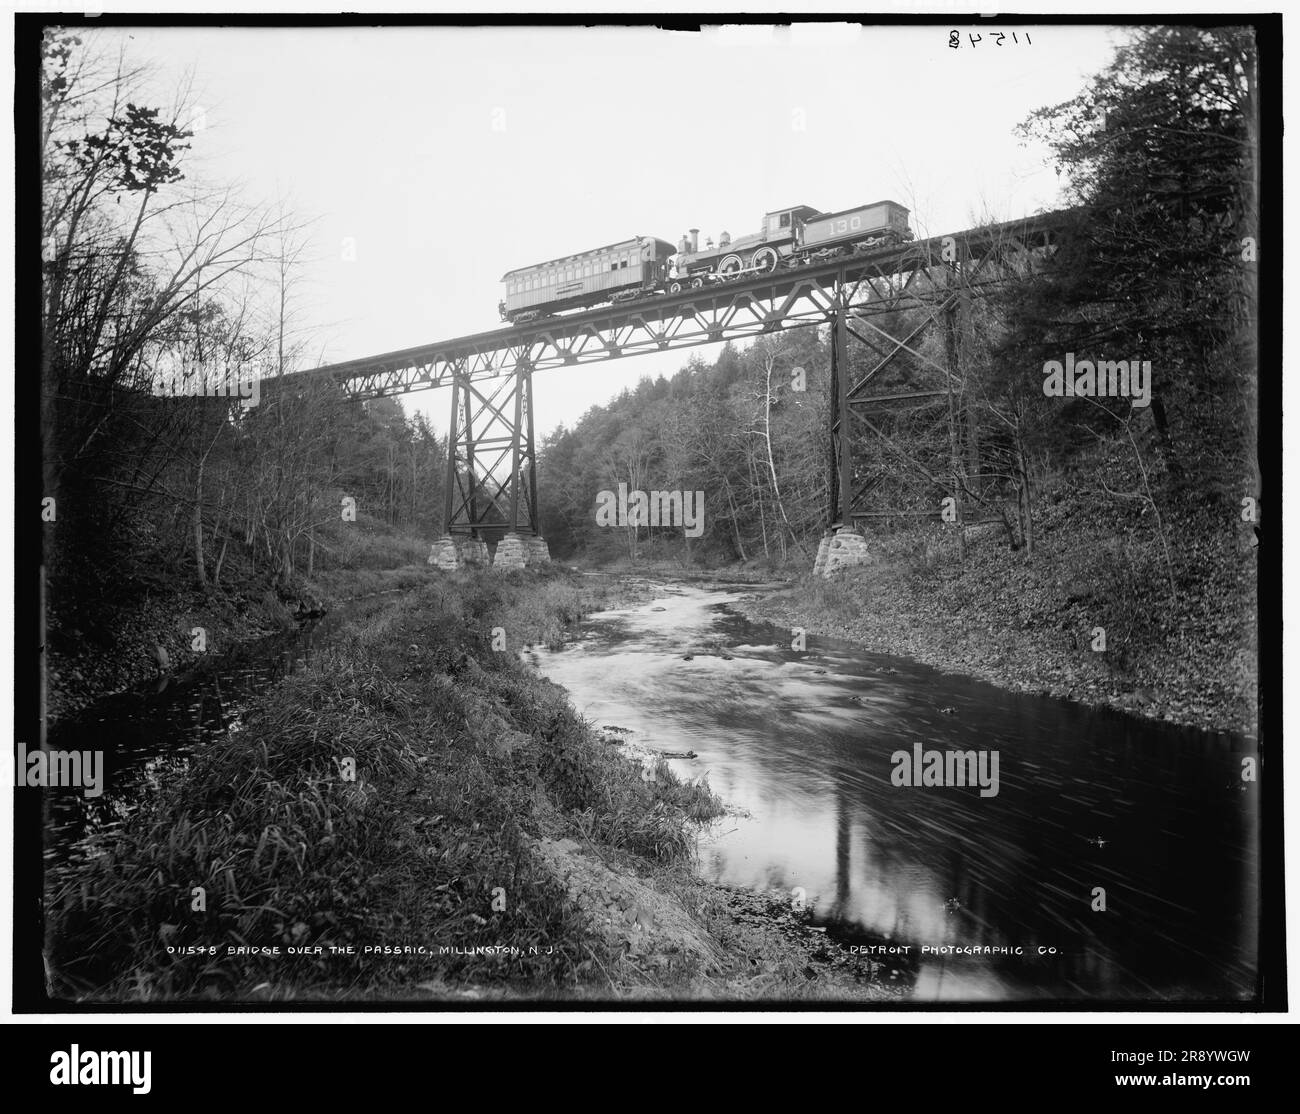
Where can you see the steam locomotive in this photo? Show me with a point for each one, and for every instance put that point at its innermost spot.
(645, 266)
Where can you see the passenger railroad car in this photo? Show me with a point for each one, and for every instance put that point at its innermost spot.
(611, 273)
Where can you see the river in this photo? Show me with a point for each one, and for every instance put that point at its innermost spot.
(801, 746)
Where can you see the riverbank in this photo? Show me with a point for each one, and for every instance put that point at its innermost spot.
(118, 649)
(1032, 628)
(419, 815)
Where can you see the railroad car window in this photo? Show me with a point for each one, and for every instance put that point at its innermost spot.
(785, 220)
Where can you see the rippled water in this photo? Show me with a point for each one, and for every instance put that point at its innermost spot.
(802, 743)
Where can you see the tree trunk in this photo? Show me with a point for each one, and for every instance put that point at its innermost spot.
(199, 563)
(216, 572)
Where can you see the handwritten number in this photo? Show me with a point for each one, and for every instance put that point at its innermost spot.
(954, 38)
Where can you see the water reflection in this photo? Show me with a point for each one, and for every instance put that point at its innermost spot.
(1089, 800)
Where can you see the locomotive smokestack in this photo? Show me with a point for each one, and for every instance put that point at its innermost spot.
(695, 239)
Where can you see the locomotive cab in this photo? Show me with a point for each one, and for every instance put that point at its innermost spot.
(780, 224)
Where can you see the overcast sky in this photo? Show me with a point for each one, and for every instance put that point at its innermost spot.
(450, 156)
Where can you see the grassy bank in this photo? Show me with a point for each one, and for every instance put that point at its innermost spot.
(418, 787)
(106, 622)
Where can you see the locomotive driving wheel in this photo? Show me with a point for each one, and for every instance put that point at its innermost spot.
(731, 265)
(765, 259)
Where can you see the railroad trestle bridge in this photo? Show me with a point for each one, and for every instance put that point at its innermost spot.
(491, 462)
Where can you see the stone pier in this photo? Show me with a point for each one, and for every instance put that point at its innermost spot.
(538, 551)
(823, 551)
(445, 554)
(847, 549)
(514, 551)
(511, 553)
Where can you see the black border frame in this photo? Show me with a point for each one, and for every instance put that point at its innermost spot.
(29, 994)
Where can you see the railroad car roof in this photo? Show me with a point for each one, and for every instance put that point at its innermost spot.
(635, 241)
(855, 208)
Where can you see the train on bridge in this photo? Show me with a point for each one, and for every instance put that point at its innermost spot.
(647, 267)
